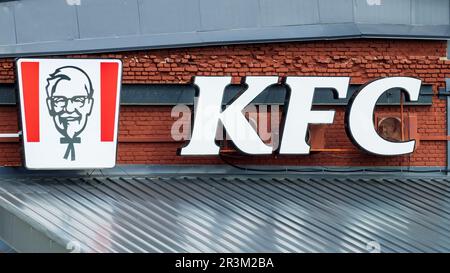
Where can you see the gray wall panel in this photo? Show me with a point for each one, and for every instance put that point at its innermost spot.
(45, 20)
(388, 12)
(219, 14)
(169, 16)
(288, 12)
(7, 35)
(330, 12)
(40, 27)
(102, 18)
(425, 14)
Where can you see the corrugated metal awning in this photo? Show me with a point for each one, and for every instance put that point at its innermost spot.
(227, 213)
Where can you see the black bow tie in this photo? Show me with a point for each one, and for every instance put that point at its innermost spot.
(70, 148)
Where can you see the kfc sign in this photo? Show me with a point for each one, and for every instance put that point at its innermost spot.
(69, 112)
(70, 108)
(298, 115)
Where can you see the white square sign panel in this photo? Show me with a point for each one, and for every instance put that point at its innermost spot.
(69, 112)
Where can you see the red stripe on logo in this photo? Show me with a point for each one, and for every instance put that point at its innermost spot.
(30, 90)
(108, 85)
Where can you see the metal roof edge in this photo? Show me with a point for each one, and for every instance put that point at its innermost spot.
(310, 32)
(145, 170)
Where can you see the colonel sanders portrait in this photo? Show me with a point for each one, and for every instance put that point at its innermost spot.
(69, 101)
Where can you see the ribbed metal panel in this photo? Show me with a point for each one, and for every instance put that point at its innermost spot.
(240, 213)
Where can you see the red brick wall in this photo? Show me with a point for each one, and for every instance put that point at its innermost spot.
(145, 130)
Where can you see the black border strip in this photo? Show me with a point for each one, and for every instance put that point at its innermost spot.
(173, 94)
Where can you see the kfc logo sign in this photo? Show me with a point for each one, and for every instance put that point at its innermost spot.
(69, 112)
(297, 117)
